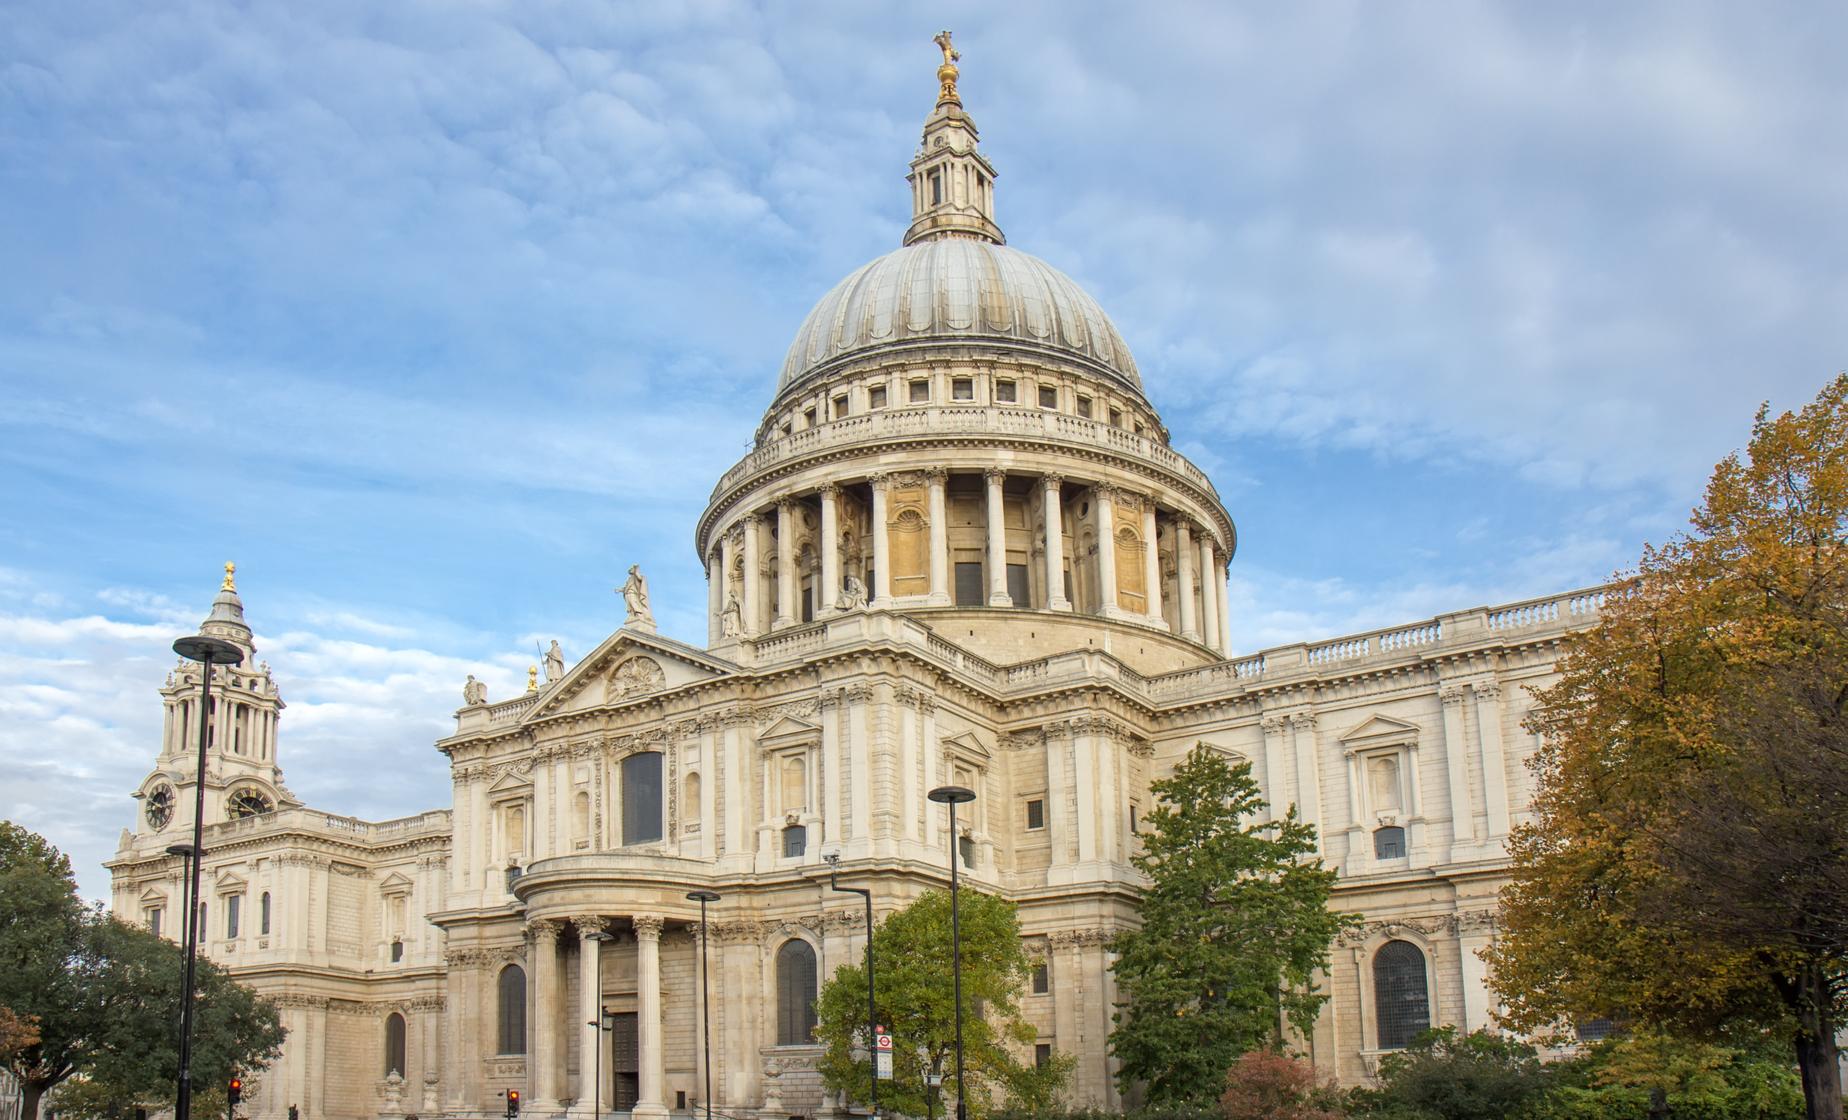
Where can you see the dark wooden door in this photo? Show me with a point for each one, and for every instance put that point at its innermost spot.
(625, 1061)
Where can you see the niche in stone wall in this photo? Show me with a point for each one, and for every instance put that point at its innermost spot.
(909, 541)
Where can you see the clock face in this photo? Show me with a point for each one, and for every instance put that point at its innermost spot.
(159, 808)
(247, 803)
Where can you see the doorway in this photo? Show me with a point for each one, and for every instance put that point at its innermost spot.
(625, 1061)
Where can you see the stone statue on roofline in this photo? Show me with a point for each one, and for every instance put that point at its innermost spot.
(852, 596)
(474, 692)
(554, 662)
(635, 596)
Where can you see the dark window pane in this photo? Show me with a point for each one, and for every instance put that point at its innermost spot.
(1017, 585)
(1036, 813)
(920, 392)
(969, 585)
(1042, 1054)
(512, 1010)
(795, 994)
(641, 798)
(966, 848)
(1400, 996)
(233, 905)
(263, 916)
(1389, 843)
(1048, 396)
(1594, 1030)
(1004, 391)
(808, 603)
(397, 951)
(1042, 979)
(795, 840)
(394, 1044)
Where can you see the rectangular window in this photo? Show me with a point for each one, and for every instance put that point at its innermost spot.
(1084, 407)
(808, 418)
(936, 189)
(965, 848)
(1042, 1054)
(920, 392)
(969, 585)
(1042, 979)
(1036, 813)
(875, 397)
(1004, 392)
(808, 604)
(1132, 818)
(1049, 396)
(233, 906)
(962, 389)
(154, 921)
(641, 798)
(397, 951)
(1017, 588)
(1116, 418)
(795, 840)
(840, 407)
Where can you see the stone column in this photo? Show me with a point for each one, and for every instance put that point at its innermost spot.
(728, 559)
(1055, 546)
(1462, 813)
(1209, 602)
(548, 1009)
(1151, 562)
(1220, 575)
(648, 1101)
(935, 479)
(753, 578)
(1105, 497)
(1494, 757)
(715, 594)
(997, 539)
(881, 591)
(590, 1002)
(1276, 776)
(785, 563)
(830, 588)
(1184, 565)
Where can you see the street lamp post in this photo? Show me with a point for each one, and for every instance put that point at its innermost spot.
(601, 1023)
(705, 990)
(872, 1005)
(207, 652)
(954, 796)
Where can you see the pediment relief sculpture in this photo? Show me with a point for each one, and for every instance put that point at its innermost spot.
(637, 676)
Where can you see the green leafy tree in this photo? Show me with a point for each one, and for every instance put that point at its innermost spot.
(916, 1004)
(1235, 924)
(1689, 852)
(104, 996)
(1445, 1075)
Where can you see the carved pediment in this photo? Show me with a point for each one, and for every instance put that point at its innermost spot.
(788, 731)
(510, 782)
(396, 883)
(966, 744)
(229, 882)
(1379, 729)
(628, 666)
(153, 897)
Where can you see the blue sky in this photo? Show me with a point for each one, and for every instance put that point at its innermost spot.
(437, 316)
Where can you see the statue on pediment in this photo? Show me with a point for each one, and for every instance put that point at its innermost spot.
(635, 596)
(474, 692)
(554, 662)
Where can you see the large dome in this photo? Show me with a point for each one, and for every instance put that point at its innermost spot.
(958, 289)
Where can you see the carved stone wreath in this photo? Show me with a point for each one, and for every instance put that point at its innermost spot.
(637, 676)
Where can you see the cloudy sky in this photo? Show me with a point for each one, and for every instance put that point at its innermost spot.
(435, 316)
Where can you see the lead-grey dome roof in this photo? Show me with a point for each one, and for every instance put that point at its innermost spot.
(964, 290)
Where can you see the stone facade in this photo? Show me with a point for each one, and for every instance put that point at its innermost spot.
(962, 551)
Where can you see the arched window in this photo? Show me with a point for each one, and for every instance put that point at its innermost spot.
(263, 914)
(641, 798)
(689, 801)
(795, 994)
(1401, 998)
(1389, 842)
(512, 1010)
(394, 1044)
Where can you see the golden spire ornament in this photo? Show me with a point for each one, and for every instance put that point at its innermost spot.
(230, 583)
(532, 678)
(947, 73)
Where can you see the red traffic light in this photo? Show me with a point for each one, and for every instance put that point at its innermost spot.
(513, 1102)
(235, 1091)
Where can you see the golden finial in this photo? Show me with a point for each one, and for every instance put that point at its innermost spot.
(230, 583)
(532, 678)
(946, 74)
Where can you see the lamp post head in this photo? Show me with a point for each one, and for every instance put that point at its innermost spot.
(832, 859)
(211, 651)
(702, 896)
(951, 795)
(184, 851)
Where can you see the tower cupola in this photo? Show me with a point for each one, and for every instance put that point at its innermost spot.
(952, 183)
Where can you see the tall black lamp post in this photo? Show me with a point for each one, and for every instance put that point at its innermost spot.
(872, 1005)
(705, 990)
(601, 1022)
(207, 652)
(954, 796)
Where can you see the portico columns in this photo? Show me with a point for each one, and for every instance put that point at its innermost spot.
(1106, 550)
(882, 552)
(1184, 562)
(590, 1004)
(785, 563)
(1220, 575)
(648, 1101)
(1209, 602)
(753, 575)
(548, 1009)
(1055, 546)
(997, 540)
(935, 479)
(1151, 564)
(830, 588)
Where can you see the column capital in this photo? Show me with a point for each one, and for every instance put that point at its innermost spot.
(936, 476)
(545, 929)
(1052, 481)
(588, 924)
(878, 481)
(828, 490)
(994, 476)
(751, 520)
(648, 927)
(1104, 491)
(786, 504)
(1185, 525)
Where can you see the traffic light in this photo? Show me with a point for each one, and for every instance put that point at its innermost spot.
(235, 1091)
(513, 1102)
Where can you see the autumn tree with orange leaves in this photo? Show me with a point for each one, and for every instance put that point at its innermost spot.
(1687, 864)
